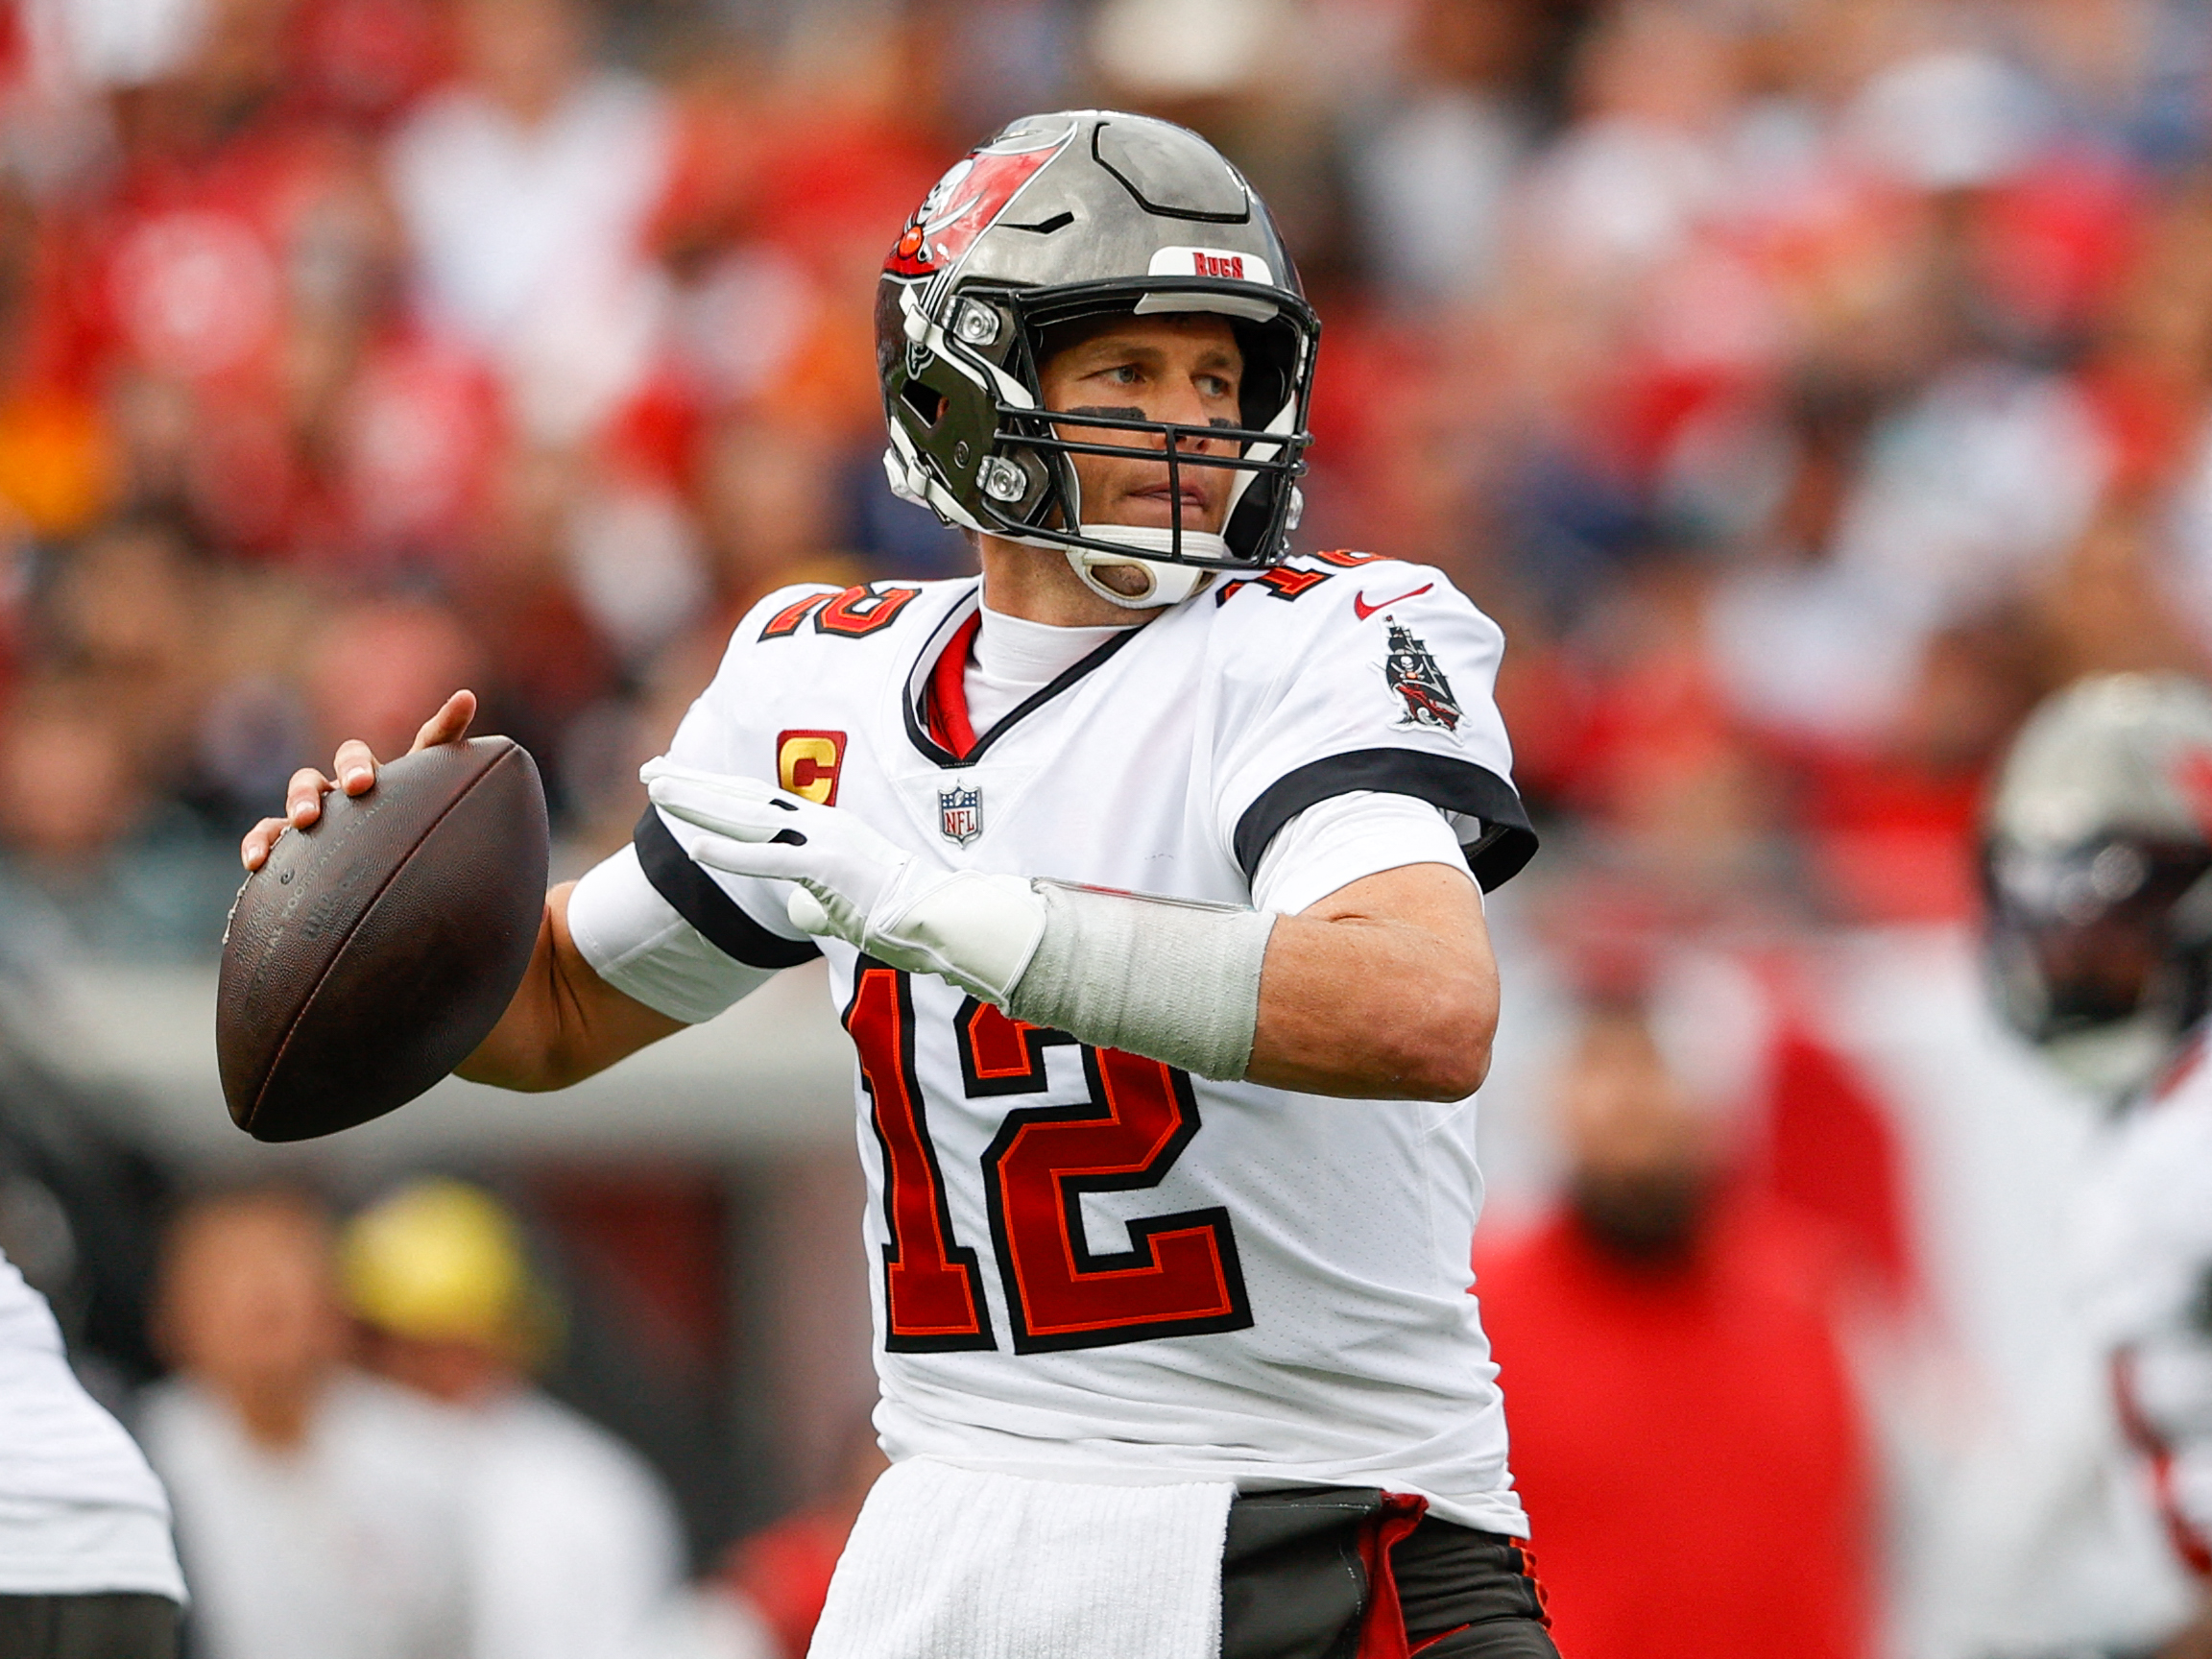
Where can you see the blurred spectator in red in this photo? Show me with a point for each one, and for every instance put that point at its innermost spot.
(378, 664)
(68, 784)
(1436, 173)
(569, 1543)
(127, 608)
(782, 1574)
(769, 491)
(522, 611)
(1684, 1430)
(526, 188)
(317, 1509)
(232, 269)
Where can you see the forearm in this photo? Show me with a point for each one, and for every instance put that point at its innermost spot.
(564, 1023)
(1384, 990)
(2193, 1639)
(1358, 1000)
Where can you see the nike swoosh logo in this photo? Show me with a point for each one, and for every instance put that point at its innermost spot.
(1365, 609)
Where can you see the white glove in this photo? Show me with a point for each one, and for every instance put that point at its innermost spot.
(978, 932)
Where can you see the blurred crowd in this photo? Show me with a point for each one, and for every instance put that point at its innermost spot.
(361, 1464)
(1808, 386)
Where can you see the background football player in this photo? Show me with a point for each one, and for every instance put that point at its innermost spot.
(2099, 874)
(1147, 871)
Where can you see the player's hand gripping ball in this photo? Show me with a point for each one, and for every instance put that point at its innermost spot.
(375, 949)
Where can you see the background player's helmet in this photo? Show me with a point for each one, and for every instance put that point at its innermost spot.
(2098, 867)
(1055, 219)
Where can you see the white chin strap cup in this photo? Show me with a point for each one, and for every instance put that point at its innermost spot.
(1163, 583)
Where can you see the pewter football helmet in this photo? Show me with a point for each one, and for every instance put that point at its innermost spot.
(1053, 220)
(2097, 863)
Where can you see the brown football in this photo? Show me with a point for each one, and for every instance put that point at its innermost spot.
(377, 949)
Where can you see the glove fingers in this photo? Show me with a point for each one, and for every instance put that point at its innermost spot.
(770, 860)
(734, 783)
(724, 812)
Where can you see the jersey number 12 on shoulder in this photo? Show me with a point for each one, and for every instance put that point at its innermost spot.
(1180, 1275)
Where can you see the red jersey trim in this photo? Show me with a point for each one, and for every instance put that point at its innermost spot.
(1383, 1629)
(945, 699)
(2180, 1069)
(2191, 1545)
(938, 687)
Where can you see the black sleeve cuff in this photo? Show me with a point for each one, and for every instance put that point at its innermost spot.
(693, 896)
(1496, 856)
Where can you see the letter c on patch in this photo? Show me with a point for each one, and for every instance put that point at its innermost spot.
(808, 763)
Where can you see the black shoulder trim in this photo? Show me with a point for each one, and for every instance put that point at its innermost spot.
(1506, 842)
(693, 896)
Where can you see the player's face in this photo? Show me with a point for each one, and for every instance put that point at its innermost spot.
(1184, 368)
(248, 1301)
(2101, 969)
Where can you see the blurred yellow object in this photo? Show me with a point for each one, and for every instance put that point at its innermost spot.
(442, 1261)
(57, 461)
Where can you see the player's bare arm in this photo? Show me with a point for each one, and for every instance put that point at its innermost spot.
(565, 1023)
(1385, 990)
(2193, 1642)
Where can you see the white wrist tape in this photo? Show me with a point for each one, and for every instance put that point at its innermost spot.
(978, 932)
(1161, 977)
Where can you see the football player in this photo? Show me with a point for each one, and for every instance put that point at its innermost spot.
(2098, 868)
(1148, 871)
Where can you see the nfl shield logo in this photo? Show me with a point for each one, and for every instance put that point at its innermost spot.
(960, 814)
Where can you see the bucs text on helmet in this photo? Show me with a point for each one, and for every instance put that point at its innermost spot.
(2097, 864)
(1060, 218)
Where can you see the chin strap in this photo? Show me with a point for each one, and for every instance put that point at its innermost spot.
(1164, 582)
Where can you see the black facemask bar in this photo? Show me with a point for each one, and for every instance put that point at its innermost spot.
(2153, 892)
(1017, 430)
(1288, 366)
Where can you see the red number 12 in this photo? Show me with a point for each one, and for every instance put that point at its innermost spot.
(1180, 1275)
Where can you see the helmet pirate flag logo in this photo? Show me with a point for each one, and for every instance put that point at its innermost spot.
(967, 201)
(959, 814)
(1411, 670)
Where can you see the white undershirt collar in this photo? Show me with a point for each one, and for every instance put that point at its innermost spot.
(1015, 659)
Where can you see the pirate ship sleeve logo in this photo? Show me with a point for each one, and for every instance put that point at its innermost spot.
(1411, 670)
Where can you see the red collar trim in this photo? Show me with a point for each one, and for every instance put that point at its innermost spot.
(2181, 1067)
(945, 704)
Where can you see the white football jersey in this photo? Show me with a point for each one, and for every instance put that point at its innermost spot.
(1088, 1263)
(2145, 1237)
(80, 1513)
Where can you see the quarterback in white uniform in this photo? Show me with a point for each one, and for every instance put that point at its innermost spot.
(2099, 868)
(1146, 869)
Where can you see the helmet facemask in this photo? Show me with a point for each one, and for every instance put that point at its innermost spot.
(1030, 491)
(2102, 956)
(1058, 218)
(2096, 866)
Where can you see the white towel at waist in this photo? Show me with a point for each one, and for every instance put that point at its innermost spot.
(952, 1563)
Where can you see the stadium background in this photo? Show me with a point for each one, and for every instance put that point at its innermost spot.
(1807, 385)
